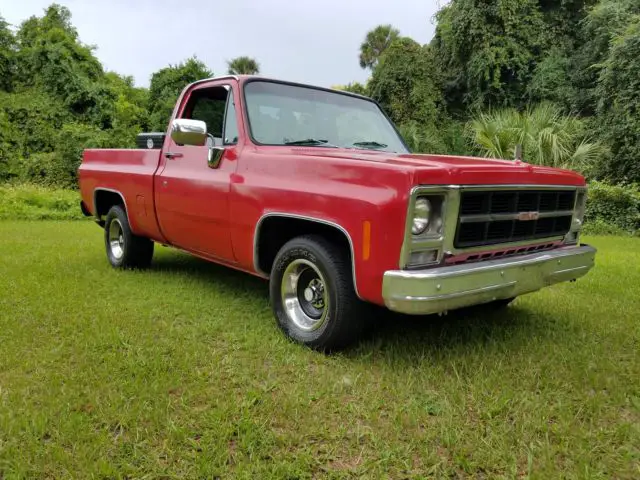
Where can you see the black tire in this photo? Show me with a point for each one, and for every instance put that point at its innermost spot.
(132, 251)
(344, 315)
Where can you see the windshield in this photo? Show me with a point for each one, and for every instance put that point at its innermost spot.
(281, 114)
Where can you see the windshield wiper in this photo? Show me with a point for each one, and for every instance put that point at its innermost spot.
(373, 145)
(311, 141)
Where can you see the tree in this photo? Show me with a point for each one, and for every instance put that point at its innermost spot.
(403, 83)
(564, 18)
(166, 85)
(30, 122)
(548, 137)
(354, 87)
(130, 114)
(243, 66)
(7, 56)
(606, 21)
(487, 51)
(60, 102)
(375, 44)
(56, 17)
(552, 80)
(51, 58)
(618, 96)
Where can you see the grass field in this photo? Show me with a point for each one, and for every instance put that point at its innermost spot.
(180, 372)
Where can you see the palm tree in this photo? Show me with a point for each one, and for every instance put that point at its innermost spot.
(547, 136)
(375, 43)
(243, 66)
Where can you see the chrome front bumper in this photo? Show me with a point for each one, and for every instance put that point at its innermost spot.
(436, 290)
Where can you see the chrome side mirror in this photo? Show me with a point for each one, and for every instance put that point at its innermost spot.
(189, 132)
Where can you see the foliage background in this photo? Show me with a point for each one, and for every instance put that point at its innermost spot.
(560, 77)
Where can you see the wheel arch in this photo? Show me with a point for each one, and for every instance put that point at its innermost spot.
(104, 199)
(269, 237)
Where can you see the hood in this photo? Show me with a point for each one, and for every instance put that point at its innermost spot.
(450, 169)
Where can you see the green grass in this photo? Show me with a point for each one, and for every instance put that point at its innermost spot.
(33, 202)
(180, 372)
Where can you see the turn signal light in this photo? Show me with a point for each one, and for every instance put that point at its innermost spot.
(423, 258)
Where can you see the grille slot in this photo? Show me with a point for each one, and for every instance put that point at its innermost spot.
(477, 203)
(528, 201)
(499, 230)
(566, 200)
(502, 203)
(491, 218)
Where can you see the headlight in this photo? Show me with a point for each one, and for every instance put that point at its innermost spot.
(421, 215)
(424, 234)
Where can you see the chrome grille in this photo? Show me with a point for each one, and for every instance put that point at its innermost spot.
(505, 216)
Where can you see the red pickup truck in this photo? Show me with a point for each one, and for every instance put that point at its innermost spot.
(315, 190)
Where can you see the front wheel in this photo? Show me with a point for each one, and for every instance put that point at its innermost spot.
(313, 296)
(124, 249)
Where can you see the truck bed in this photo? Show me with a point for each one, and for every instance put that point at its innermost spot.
(129, 172)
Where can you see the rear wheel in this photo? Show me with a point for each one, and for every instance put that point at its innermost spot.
(312, 294)
(124, 249)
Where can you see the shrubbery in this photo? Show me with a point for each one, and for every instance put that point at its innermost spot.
(32, 202)
(613, 209)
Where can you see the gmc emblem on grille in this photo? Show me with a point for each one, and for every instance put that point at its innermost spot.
(528, 216)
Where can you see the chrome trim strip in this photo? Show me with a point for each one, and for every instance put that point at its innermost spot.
(496, 217)
(211, 79)
(518, 187)
(126, 207)
(256, 239)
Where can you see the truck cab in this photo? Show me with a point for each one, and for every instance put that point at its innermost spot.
(314, 190)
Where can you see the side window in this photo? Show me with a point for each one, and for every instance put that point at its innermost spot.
(208, 105)
(231, 122)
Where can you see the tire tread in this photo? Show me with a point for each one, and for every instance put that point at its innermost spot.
(139, 250)
(349, 320)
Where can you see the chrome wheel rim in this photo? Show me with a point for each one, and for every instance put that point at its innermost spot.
(116, 239)
(304, 295)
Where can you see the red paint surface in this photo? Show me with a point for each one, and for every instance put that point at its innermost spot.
(213, 213)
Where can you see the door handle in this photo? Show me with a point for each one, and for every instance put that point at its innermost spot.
(171, 155)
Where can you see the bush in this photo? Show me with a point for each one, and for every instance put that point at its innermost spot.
(613, 209)
(32, 202)
(600, 227)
